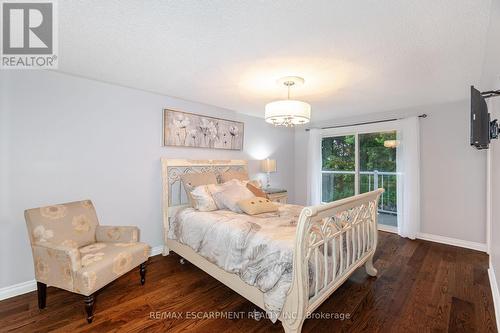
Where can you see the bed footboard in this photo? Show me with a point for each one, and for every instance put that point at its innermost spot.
(332, 241)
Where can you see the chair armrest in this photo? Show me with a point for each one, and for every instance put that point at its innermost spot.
(51, 259)
(125, 234)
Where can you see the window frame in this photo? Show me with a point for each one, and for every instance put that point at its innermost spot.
(356, 130)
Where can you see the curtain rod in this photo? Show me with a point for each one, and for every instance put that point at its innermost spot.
(424, 115)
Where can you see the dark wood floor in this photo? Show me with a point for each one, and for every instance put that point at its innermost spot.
(421, 287)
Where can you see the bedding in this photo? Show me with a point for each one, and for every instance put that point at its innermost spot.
(259, 248)
(228, 195)
(257, 191)
(229, 175)
(255, 182)
(257, 205)
(191, 180)
(203, 199)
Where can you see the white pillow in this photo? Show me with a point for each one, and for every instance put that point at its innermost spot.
(215, 188)
(228, 195)
(202, 198)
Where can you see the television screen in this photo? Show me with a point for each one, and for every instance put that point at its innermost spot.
(479, 120)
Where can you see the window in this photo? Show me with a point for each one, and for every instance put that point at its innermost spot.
(360, 162)
(338, 167)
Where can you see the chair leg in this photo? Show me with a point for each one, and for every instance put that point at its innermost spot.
(42, 294)
(142, 270)
(89, 307)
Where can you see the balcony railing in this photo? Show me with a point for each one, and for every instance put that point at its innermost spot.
(370, 180)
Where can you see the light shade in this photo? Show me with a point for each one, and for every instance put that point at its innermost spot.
(288, 112)
(391, 143)
(268, 165)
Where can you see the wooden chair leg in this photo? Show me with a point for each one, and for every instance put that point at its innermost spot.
(42, 294)
(142, 270)
(89, 307)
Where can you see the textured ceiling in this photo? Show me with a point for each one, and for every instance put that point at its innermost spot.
(356, 56)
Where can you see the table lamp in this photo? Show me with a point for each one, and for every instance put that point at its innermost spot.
(268, 166)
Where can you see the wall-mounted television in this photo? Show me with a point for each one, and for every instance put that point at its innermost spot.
(482, 129)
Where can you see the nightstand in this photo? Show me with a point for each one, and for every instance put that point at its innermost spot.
(277, 195)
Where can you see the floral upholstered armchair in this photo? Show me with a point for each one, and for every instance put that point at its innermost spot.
(72, 251)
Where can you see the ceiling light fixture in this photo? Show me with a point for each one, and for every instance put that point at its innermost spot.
(288, 112)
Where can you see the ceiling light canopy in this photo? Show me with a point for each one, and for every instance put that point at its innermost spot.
(289, 112)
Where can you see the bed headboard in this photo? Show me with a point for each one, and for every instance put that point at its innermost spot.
(174, 195)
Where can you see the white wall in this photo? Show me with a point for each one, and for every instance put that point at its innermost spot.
(65, 138)
(452, 173)
(490, 79)
(495, 195)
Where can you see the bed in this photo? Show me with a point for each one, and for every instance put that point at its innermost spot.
(318, 246)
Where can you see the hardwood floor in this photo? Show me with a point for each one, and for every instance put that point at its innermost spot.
(421, 287)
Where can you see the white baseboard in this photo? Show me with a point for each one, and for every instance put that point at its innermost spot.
(17, 289)
(440, 239)
(29, 286)
(387, 228)
(494, 293)
(156, 250)
(453, 241)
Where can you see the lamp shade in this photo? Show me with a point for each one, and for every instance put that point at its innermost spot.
(288, 111)
(391, 143)
(268, 165)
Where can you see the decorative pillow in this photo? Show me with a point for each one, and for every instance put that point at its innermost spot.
(256, 190)
(228, 195)
(228, 175)
(256, 183)
(257, 206)
(220, 187)
(202, 198)
(191, 180)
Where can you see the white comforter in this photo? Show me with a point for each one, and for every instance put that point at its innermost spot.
(259, 249)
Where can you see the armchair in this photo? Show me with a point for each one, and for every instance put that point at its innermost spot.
(72, 251)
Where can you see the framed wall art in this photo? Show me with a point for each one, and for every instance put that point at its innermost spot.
(183, 129)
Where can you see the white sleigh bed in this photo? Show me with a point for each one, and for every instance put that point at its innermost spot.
(349, 224)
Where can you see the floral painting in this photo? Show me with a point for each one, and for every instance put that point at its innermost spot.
(192, 130)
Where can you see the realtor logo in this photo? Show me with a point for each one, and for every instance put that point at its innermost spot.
(29, 35)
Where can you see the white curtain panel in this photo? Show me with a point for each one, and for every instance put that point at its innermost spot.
(314, 167)
(408, 169)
